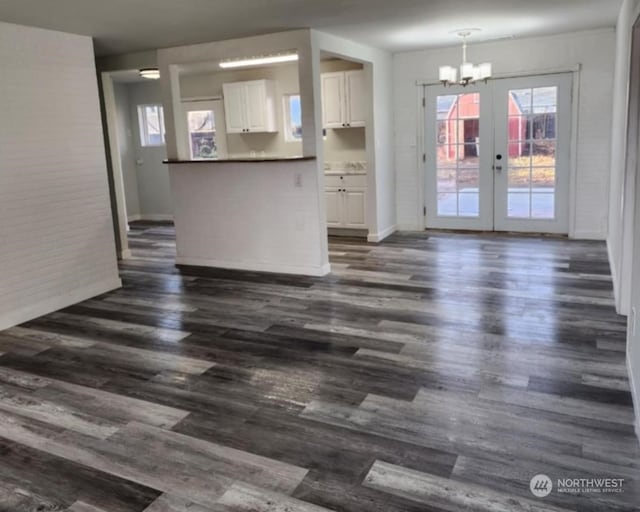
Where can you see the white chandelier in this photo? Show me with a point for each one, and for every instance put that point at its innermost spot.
(469, 73)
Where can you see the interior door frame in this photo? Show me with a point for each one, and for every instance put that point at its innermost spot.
(420, 143)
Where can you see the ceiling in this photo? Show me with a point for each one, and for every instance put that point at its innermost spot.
(122, 26)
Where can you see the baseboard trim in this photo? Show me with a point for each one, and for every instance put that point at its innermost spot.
(379, 237)
(59, 302)
(256, 266)
(614, 277)
(634, 396)
(588, 235)
(150, 217)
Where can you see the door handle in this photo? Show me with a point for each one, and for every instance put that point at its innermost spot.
(497, 168)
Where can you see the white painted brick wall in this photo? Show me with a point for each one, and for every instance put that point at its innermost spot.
(56, 234)
(594, 50)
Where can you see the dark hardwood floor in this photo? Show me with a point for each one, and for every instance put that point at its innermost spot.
(426, 373)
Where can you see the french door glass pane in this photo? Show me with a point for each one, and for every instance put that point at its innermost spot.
(532, 126)
(458, 152)
(202, 134)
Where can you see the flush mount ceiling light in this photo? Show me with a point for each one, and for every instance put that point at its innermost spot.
(261, 60)
(469, 73)
(150, 73)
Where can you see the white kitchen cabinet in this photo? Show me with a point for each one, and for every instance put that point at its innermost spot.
(343, 99)
(250, 106)
(355, 208)
(334, 206)
(346, 198)
(356, 104)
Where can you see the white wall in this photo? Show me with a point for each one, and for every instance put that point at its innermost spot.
(593, 50)
(154, 191)
(621, 199)
(381, 175)
(249, 216)
(55, 221)
(624, 216)
(633, 329)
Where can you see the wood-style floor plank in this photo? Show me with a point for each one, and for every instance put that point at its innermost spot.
(432, 372)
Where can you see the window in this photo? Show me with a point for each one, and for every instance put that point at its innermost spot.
(292, 118)
(202, 134)
(151, 119)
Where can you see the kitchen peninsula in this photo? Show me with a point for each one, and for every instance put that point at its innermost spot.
(249, 214)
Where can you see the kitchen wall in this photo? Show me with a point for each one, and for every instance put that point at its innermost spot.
(593, 50)
(56, 227)
(208, 85)
(346, 145)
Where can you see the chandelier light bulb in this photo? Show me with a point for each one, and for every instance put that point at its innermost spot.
(469, 73)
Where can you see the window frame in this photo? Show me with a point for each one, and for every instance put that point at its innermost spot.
(286, 104)
(144, 125)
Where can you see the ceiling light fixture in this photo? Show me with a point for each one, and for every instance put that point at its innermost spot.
(469, 73)
(259, 61)
(150, 73)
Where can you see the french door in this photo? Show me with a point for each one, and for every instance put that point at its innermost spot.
(498, 155)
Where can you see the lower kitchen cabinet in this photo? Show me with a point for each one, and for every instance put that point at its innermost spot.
(346, 202)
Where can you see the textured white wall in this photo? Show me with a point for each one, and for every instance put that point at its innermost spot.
(621, 190)
(56, 231)
(624, 235)
(248, 216)
(592, 49)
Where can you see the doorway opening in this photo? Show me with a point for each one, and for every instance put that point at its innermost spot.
(346, 93)
(135, 123)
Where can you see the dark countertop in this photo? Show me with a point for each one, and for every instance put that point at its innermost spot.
(242, 160)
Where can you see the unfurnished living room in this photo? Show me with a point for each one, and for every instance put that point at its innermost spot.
(304, 256)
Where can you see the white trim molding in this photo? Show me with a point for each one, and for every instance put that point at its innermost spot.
(256, 266)
(379, 237)
(152, 217)
(588, 235)
(61, 301)
(634, 396)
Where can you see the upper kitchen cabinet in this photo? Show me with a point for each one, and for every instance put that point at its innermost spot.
(343, 104)
(250, 106)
